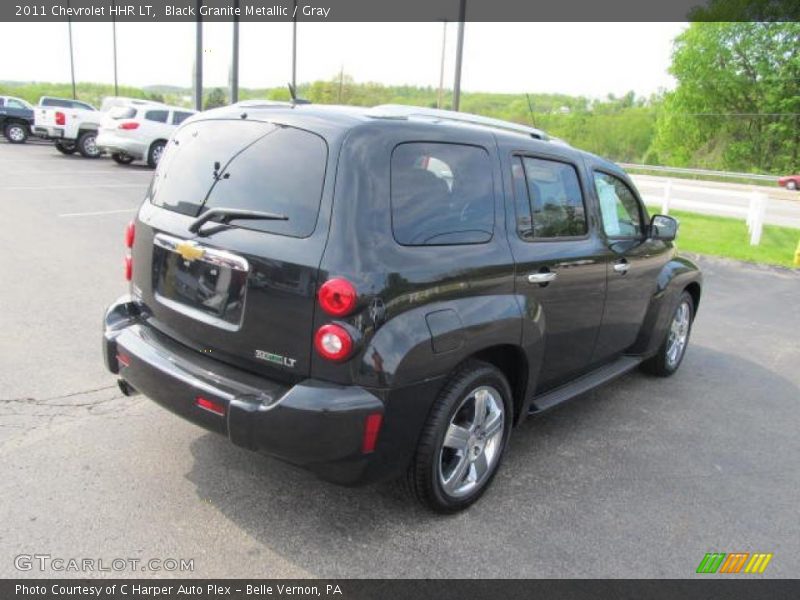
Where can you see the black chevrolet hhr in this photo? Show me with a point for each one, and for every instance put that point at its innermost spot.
(386, 292)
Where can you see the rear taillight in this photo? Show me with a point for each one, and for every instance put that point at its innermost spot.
(337, 297)
(130, 234)
(129, 125)
(372, 427)
(333, 342)
(61, 118)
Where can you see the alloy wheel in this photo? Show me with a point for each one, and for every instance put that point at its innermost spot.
(678, 334)
(473, 441)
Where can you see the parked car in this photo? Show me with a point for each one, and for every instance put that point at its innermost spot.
(790, 182)
(380, 293)
(139, 131)
(16, 119)
(71, 124)
(110, 102)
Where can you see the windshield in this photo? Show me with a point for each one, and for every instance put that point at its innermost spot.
(244, 165)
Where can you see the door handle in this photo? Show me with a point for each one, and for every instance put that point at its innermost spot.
(622, 266)
(541, 278)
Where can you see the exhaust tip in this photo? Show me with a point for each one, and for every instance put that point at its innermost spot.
(126, 388)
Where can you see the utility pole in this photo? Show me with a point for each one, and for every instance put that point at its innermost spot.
(71, 56)
(294, 47)
(198, 63)
(235, 57)
(341, 84)
(462, 13)
(441, 68)
(114, 34)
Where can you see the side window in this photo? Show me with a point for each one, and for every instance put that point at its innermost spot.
(548, 199)
(15, 104)
(2, 101)
(622, 215)
(441, 194)
(179, 117)
(81, 105)
(159, 116)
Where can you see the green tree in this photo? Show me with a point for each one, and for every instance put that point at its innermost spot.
(215, 99)
(737, 102)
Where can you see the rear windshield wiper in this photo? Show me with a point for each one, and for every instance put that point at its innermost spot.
(225, 215)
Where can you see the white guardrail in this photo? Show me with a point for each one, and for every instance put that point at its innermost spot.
(686, 171)
(752, 209)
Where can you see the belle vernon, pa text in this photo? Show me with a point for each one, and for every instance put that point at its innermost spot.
(156, 591)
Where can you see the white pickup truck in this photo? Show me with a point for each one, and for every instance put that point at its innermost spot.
(72, 124)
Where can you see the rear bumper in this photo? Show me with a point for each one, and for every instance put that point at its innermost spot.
(314, 424)
(50, 133)
(113, 143)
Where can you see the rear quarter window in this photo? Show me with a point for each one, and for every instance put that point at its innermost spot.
(441, 194)
(159, 116)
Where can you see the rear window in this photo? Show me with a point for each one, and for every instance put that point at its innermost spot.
(244, 165)
(55, 102)
(122, 112)
(441, 194)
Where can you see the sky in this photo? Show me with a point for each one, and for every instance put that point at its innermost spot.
(590, 59)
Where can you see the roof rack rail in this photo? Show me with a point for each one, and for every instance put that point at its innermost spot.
(400, 110)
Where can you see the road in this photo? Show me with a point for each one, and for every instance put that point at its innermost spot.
(717, 198)
(638, 479)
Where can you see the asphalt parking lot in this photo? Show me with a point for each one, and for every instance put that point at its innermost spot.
(638, 479)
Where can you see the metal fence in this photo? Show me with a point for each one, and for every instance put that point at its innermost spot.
(705, 172)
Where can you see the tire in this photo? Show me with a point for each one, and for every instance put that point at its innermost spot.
(87, 145)
(66, 147)
(791, 184)
(122, 159)
(16, 133)
(154, 154)
(669, 357)
(458, 454)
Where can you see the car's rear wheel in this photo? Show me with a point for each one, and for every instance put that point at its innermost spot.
(154, 155)
(462, 444)
(87, 144)
(16, 133)
(122, 159)
(672, 350)
(791, 184)
(66, 148)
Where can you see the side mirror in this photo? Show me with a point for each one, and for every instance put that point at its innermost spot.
(663, 228)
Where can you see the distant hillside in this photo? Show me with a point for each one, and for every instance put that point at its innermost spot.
(619, 128)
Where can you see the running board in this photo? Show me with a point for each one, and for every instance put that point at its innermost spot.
(583, 384)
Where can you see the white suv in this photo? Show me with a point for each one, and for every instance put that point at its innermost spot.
(139, 132)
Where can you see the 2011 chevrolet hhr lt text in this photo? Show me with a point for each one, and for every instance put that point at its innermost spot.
(384, 293)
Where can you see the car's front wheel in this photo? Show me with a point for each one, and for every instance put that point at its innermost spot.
(791, 184)
(87, 145)
(154, 155)
(16, 133)
(462, 444)
(672, 350)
